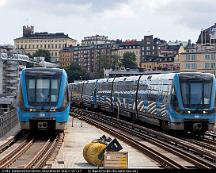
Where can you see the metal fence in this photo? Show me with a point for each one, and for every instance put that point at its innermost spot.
(7, 122)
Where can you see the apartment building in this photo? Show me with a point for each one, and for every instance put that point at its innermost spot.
(88, 57)
(207, 36)
(133, 46)
(201, 60)
(155, 63)
(152, 46)
(95, 40)
(53, 42)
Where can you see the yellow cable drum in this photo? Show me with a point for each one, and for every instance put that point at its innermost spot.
(91, 152)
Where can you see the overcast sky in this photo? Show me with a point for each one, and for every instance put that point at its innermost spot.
(117, 19)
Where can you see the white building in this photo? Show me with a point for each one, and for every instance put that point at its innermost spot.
(11, 64)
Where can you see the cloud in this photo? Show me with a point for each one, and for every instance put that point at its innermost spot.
(64, 7)
(167, 19)
(119, 11)
(191, 13)
(2, 3)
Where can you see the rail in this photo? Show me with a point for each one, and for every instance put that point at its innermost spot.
(194, 154)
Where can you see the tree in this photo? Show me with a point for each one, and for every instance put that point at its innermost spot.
(42, 53)
(104, 61)
(75, 72)
(29, 64)
(129, 60)
(115, 61)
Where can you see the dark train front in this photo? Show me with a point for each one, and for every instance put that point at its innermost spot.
(43, 102)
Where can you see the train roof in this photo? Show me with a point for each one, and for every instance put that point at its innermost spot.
(165, 76)
(43, 71)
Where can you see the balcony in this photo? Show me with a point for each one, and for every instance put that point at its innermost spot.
(11, 81)
(11, 74)
(11, 68)
(11, 87)
(12, 63)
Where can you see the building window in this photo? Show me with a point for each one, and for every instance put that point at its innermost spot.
(187, 66)
(212, 56)
(193, 57)
(207, 65)
(193, 65)
(213, 65)
(207, 57)
(187, 57)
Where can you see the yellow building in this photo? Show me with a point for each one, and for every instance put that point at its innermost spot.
(155, 63)
(130, 46)
(30, 42)
(66, 56)
(202, 61)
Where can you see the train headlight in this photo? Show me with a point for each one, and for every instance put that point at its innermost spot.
(189, 112)
(204, 112)
(52, 109)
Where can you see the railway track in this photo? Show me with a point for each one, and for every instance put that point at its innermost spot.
(30, 152)
(210, 135)
(169, 151)
(10, 141)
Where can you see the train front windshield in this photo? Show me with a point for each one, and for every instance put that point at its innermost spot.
(196, 91)
(42, 91)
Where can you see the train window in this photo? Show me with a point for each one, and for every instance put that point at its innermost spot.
(66, 97)
(31, 90)
(54, 88)
(174, 100)
(196, 94)
(41, 91)
(207, 93)
(196, 97)
(185, 92)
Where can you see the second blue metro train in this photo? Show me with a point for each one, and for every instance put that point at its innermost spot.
(178, 101)
(43, 101)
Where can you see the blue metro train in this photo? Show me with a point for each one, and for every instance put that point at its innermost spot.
(178, 101)
(43, 101)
